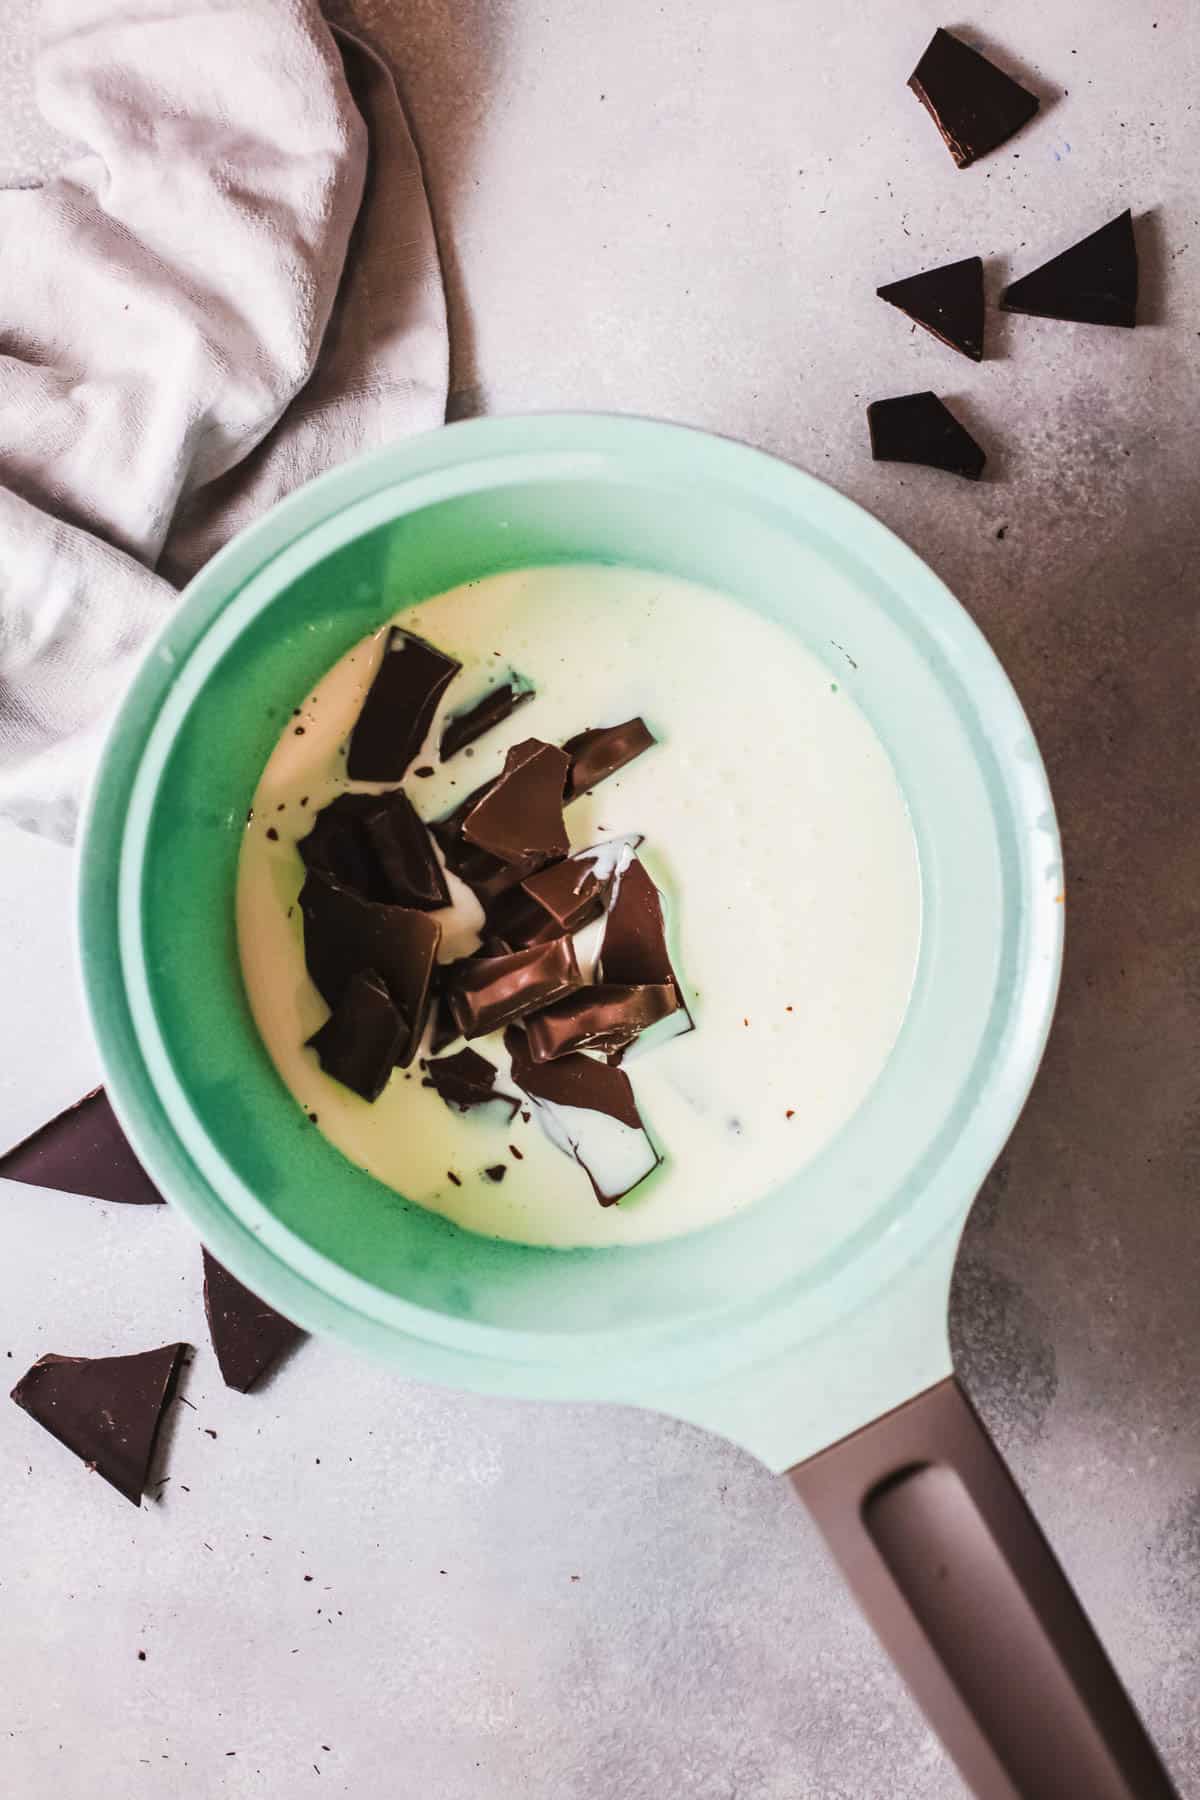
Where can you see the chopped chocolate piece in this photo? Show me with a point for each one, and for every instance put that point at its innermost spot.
(974, 105)
(486, 992)
(338, 845)
(466, 1080)
(248, 1335)
(1094, 282)
(345, 934)
(565, 896)
(487, 875)
(107, 1409)
(946, 301)
(399, 708)
(600, 752)
(463, 728)
(605, 1018)
(405, 853)
(497, 1172)
(444, 1030)
(919, 428)
(588, 1110)
(521, 814)
(83, 1151)
(362, 1039)
(634, 951)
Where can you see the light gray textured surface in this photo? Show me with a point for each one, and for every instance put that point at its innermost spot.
(685, 210)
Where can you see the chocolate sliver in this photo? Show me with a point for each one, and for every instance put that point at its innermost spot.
(588, 1110)
(364, 1036)
(107, 1409)
(598, 753)
(605, 1018)
(634, 949)
(946, 301)
(521, 814)
(1095, 282)
(345, 934)
(247, 1335)
(920, 428)
(486, 992)
(83, 1151)
(406, 856)
(399, 708)
(463, 728)
(974, 105)
(466, 1080)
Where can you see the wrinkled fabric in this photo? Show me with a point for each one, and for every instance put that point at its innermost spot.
(233, 288)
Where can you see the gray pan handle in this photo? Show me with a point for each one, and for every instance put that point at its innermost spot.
(952, 1570)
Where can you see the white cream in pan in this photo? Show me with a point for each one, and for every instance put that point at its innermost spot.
(772, 822)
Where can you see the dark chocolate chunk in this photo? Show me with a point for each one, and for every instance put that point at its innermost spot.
(247, 1335)
(920, 428)
(634, 951)
(556, 900)
(486, 992)
(605, 1018)
(399, 708)
(946, 301)
(443, 1030)
(521, 814)
(974, 105)
(485, 874)
(364, 1036)
(83, 1151)
(600, 752)
(107, 1409)
(337, 844)
(466, 1080)
(406, 856)
(1094, 282)
(463, 728)
(564, 1093)
(345, 934)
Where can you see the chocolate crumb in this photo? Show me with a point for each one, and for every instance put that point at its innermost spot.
(272, 834)
(299, 731)
(519, 1154)
(141, 1656)
(1000, 533)
(497, 1172)
(425, 770)
(308, 1578)
(313, 1117)
(249, 814)
(295, 712)
(208, 1431)
(304, 799)
(454, 1178)
(790, 1113)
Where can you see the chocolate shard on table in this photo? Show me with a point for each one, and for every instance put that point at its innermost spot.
(345, 935)
(521, 814)
(466, 1080)
(404, 851)
(599, 752)
(82, 1151)
(1095, 282)
(247, 1335)
(364, 1036)
(399, 707)
(606, 1018)
(588, 1110)
(463, 728)
(974, 105)
(107, 1409)
(920, 428)
(486, 992)
(946, 301)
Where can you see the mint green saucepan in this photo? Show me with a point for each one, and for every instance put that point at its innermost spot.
(821, 1347)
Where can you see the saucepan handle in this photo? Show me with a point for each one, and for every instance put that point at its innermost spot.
(952, 1570)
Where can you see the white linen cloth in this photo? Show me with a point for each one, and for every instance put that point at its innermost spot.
(234, 287)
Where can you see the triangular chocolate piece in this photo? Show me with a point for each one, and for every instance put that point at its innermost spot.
(947, 301)
(521, 814)
(1095, 282)
(919, 428)
(83, 1151)
(466, 1080)
(248, 1336)
(399, 707)
(974, 105)
(107, 1409)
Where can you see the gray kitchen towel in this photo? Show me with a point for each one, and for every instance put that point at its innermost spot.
(234, 287)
